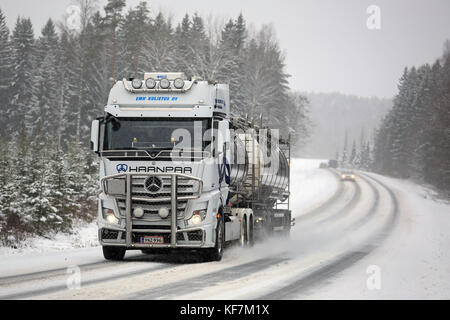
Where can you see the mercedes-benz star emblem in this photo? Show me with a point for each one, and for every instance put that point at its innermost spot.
(153, 184)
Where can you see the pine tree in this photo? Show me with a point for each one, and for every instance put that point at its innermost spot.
(6, 69)
(5, 176)
(68, 88)
(22, 79)
(112, 22)
(94, 82)
(183, 56)
(159, 53)
(133, 39)
(352, 158)
(414, 139)
(232, 49)
(44, 104)
(344, 159)
(19, 216)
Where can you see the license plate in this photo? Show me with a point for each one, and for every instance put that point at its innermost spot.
(152, 240)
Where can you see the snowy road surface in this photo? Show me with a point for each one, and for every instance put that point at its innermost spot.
(372, 239)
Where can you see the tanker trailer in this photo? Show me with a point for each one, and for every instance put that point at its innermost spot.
(260, 178)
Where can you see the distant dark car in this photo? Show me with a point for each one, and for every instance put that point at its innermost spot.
(323, 165)
(347, 175)
(333, 164)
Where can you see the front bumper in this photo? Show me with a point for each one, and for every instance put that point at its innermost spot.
(185, 238)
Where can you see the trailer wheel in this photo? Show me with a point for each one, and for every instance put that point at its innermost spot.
(216, 253)
(251, 236)
(113, 253)
(243, 240)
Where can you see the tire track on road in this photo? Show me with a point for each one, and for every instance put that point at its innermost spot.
(19, 278)
(63, 287)
(317, 276)
(187, 286)
(235, 272)
(347, 208)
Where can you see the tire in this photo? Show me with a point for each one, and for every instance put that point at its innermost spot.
(251, 234)
(244, 233)
(216, 253)
(113, 253)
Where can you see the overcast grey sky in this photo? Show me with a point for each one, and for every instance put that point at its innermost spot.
(327, 44)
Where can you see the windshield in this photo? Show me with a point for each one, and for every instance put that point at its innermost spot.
(151, 134)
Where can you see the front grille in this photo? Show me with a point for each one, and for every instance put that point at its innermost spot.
(185, 187)
(146, 226)
(151, 208)
(151, 200)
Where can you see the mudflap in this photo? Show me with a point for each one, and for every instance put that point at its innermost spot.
(281, 221)
(273, 222)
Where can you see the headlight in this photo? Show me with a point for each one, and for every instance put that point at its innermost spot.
(197, 217)
(343, 176)
(353, 176)
(178, 83)
(108, 215)
(136, 83)
(150, 83)
(164, 83)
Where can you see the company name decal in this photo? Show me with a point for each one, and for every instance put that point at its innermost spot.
(151, 98)
(144, 169)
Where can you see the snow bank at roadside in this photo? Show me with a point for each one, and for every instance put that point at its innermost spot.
(84, 235)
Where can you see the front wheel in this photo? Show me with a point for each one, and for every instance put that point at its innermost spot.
(216, 253)
(113, 253)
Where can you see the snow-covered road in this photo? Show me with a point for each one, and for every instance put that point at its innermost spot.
(375, 238)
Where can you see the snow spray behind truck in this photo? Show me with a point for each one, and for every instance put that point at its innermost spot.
(177, 171)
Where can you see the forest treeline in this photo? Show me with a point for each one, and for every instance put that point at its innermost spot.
(53, 85)
(413, 140)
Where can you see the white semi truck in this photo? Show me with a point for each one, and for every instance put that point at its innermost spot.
(177, 171)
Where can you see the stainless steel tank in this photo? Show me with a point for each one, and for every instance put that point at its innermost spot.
(255, 172)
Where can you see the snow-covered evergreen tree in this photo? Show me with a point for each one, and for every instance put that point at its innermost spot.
(44, 110)
(160, 47)
(23, 51)
(134, 36)
(6, 68)
(414, 139)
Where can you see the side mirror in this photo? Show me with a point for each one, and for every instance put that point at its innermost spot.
(95, 129)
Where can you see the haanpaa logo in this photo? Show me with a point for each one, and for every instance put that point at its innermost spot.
(121, 167)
